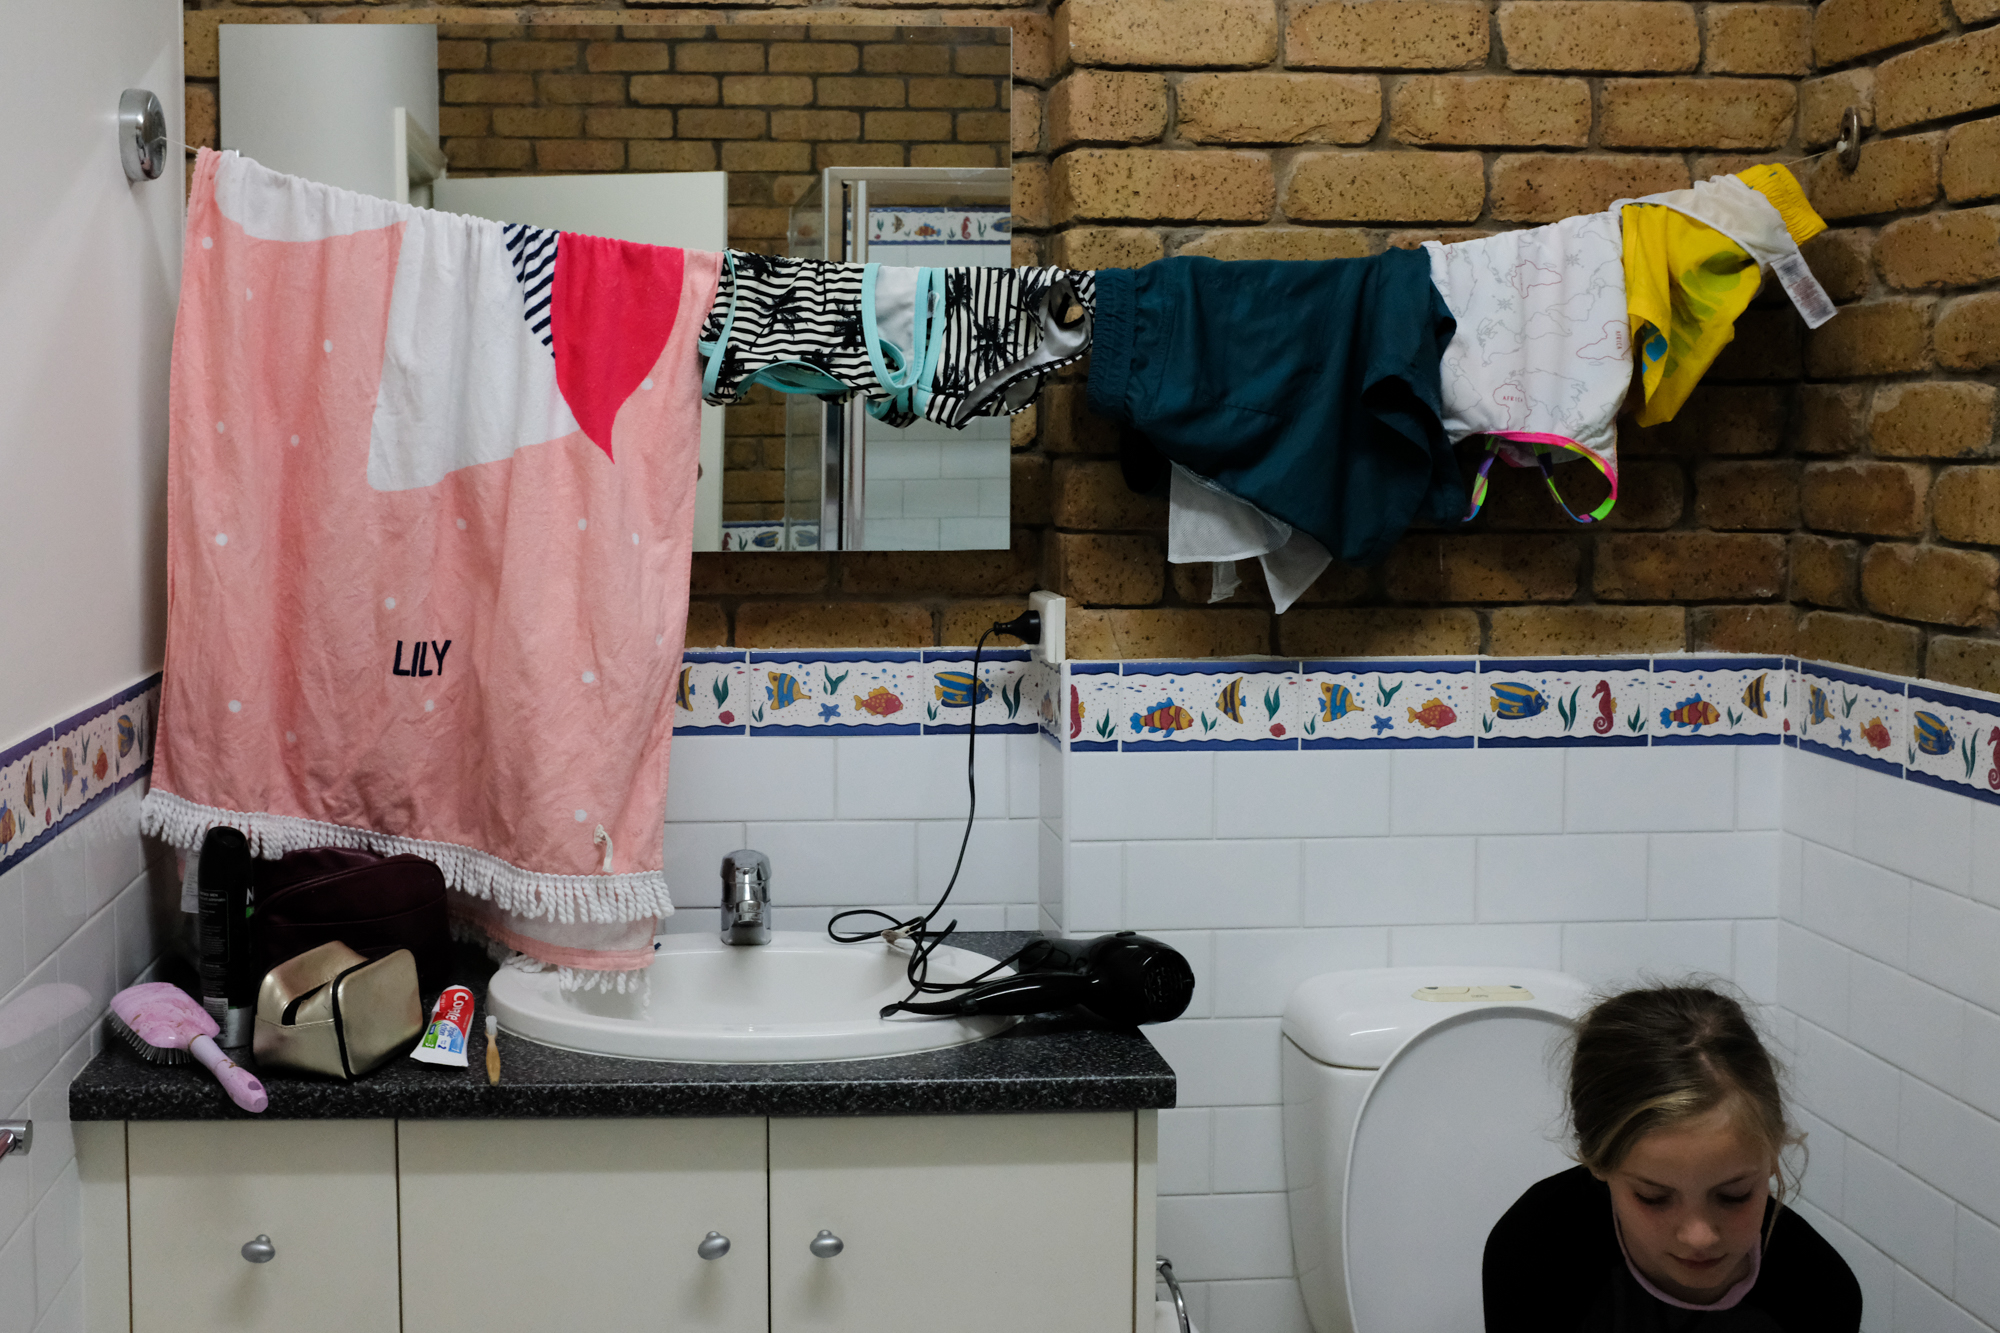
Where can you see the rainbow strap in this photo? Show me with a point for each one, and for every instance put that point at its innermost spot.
(1546, 447)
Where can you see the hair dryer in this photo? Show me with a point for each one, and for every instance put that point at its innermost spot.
(1125, 979)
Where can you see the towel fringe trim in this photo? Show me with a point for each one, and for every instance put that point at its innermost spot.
(567, 899)
(567, 978)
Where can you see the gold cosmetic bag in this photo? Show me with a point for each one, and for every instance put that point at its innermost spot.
(331, 1011)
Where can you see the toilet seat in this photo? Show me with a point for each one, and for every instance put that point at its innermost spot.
(1468, 1111)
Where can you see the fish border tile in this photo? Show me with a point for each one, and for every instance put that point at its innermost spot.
(907, 663)
(1181, 681)
(1459, 733)
(1009, 666)
(96, 725)
(1749, 729)
(734, 668)
(1896, 705)
(1554, 676)
(1097, 684)
(1964, 704)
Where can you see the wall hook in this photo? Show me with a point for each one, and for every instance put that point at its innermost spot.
(142, 134)
(1849, 147)
(16, 1136)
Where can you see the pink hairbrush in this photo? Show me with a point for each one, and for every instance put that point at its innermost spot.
(165, 1025)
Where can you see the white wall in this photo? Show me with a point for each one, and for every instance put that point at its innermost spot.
(89, 272)
(1889, 963)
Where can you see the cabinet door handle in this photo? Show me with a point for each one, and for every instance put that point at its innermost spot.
(713, 1246)
(260, 1250)
(825, 1245)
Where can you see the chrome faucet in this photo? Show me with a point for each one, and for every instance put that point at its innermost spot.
(746, 898)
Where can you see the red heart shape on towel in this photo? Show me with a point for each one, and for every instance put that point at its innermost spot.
(611, 312)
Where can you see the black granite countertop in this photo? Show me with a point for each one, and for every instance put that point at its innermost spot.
(1049, 1063)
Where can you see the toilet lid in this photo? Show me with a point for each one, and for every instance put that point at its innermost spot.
(1461, 1120)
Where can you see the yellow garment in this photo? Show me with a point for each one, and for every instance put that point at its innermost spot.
(1685, 285)
(1782, 188)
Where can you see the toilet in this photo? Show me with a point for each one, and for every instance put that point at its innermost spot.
(1419, 1103)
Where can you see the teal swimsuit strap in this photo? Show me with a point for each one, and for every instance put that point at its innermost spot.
(930, 317)
(714, 349)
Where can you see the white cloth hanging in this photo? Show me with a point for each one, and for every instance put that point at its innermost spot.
(1207, 524)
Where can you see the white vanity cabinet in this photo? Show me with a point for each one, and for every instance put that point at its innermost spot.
(973, 1223)
(324, 1191)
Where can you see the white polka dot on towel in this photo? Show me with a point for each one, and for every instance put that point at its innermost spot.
(430, 705)
(295, 439)
(222, 539)
(208, 242)
(461, 525)
(235, 705)
(582, 815)
(326, 346)
(389, 603)
(646, 383)
(221, 426)
(582, 523)
(590, 677)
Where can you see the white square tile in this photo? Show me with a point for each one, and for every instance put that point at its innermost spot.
(39, 1010)
(915, 777)
(1477, 946)
(1227, 1236)
(53, 896)
(1024, 772)
(1202, 885)
(1921, 1308)
(1760, 786)
(1824, 1174)
(88, 960)
(1619, 954)
(1473, 791)
(1900, 1215)
(1023, 916)
(1979, 1060)
(1117, 797)
(1388, 881)
(1272, 1305)
(1934, 1134)
(1874, 1270)
(814, 864)
(1912, 1025)
(1848, 1087)
(1819, 798)
(1257, 970)
(1184, 1150)
(48, 1107)
(1567, 877)
(1049, 877)
(1222, 1061)
(1756, 967)
(113, 851)
(1051, 780)
(1249, 1150)
(1791, 876)
(1860, 905)
(717, 779)
(58, 1238)
(1953, 944)
(1700, 875)
(1913, 829)
(17, 1280)
(1977, 1287)
(1814, 977)
(999, 862)
(13, 927)
(1094, 887)
(1662, 789)
(813, 919)
(1986, 853)
(1976, 1182)
(1301, 793)
(693, 861)
(1195, 1296)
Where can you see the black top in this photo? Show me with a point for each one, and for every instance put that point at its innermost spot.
(1045, 1063)
(1553, 1265)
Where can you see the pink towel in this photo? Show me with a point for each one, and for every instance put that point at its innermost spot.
(430, 517)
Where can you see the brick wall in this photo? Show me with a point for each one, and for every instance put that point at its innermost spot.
(1776, 513)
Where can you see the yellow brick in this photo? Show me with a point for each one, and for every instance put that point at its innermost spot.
(1696, 113)
(1387, 187)
(675, 89)
(1475, 110)
(1956, 249)
(1946, 78)
(1281, 243)
(1155, 184)
(1845, 29)
(1972, 161)
(1107, 247)
(1175, 34)
(1823, 103)
(767, 90)
(1388, 34)
(1758, 39)
(1600, 36)
(1278, 108)
(1548, 188)
(1107, 106)
(1894, 175)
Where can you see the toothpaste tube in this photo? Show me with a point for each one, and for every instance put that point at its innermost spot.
(451, 1023)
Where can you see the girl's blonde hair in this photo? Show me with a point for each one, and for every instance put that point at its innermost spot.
(1658, 1057)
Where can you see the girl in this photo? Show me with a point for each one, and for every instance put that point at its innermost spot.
(1670, 1224)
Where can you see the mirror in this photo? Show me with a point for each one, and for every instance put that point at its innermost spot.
(760, 137)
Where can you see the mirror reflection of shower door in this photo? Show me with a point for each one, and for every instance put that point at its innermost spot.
(924, 486)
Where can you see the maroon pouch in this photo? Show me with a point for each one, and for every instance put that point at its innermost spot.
(371, 903)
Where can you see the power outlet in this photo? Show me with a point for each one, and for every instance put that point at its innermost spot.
(1052, 647)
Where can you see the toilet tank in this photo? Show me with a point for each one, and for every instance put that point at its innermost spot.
(1339, 1030)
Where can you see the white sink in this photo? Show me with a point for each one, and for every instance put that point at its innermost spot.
(801, 997)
